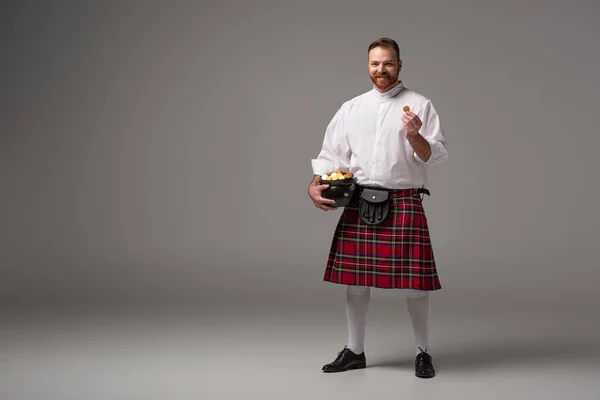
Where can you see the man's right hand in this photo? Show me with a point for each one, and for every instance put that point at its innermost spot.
(315, 192)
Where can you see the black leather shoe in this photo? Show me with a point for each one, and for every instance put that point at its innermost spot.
(346, 360)
(424, 365)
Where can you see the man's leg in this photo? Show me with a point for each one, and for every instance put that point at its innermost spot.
(418, 304)
(353, 356)
(357, 305)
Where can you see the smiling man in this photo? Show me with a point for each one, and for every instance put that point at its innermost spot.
(386, 137)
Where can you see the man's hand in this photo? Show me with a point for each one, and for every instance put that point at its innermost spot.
(420, 145)
(314, 191)
(412, 124)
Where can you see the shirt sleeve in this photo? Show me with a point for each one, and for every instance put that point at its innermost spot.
(433, 132)
(335, 152)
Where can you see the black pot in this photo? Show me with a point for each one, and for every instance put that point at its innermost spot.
(342, 191)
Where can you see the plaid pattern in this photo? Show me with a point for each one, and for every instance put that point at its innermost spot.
(394, 255)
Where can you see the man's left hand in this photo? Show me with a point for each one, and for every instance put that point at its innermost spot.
(412, 124)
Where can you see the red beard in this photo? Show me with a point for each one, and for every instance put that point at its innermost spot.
(384, 83)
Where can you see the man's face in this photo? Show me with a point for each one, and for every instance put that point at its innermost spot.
(384, 67)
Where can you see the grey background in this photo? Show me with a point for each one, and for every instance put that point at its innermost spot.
(155, 157)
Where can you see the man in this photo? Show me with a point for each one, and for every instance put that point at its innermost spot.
(386, 147)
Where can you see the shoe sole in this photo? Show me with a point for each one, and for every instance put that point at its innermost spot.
(357, 366)
(425, 376)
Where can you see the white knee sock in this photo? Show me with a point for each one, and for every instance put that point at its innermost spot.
(357, 304)
(418, 304)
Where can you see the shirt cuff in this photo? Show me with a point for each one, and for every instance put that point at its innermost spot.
(321, 167)
(438, 153)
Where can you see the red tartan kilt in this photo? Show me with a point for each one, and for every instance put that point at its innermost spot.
(394, 255)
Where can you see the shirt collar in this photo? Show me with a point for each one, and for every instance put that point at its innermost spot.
(391, 92)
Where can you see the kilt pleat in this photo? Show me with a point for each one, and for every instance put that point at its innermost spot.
(394, 255)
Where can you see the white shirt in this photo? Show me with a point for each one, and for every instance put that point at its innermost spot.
(366, 137)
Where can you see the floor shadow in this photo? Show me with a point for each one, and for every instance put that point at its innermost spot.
(490, 355)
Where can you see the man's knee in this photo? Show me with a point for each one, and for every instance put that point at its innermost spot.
(417, 294)
(358, 290)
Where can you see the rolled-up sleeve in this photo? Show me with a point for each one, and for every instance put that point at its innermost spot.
(335, 152)
(433, 132)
